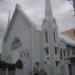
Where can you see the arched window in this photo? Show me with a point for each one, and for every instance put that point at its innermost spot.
(54, 36)
(47, 50)
(46, 35)
(16, 43)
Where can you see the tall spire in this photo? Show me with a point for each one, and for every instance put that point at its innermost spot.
(48, 10)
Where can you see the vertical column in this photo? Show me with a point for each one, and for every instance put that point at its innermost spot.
(15, 70)
(6, 71)
(25, 67)
(66, 69)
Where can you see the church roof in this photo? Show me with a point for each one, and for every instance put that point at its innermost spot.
(68, 36)
(70, 32)
(18, 9)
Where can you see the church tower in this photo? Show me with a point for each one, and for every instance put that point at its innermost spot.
(48, 10)
(49, 29)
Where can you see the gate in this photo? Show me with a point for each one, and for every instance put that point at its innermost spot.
(11, 72)
(2, 72)
(19, 72)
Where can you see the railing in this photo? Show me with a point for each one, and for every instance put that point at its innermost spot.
(12, 72)
(73, 51)
(2, 72)
(70, 53)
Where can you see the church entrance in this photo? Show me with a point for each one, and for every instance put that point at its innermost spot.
(19, 64)
(12, 69)
(19, 68)
(70, 69)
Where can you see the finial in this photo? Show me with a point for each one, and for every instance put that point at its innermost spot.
(48, 9)
(17, 6)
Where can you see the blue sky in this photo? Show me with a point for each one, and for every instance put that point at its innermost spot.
(62, 11)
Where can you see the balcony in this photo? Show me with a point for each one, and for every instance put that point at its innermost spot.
(70, 53)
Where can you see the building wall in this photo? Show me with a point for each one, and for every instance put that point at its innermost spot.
(67, 60)
(30, 51)
(22, 29)
(19, 28)
(40, 48)
(51, 28)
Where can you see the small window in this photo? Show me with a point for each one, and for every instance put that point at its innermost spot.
(37, 63)
(73, 50)
(68, 51)
(54, 36)
(57, 63)
(48, 58)
(45, 62)
(64, 53)
(46, 35)
(60, 54)
(56, 49)
(47, 50)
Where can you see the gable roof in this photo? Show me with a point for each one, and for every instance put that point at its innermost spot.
(68, 39)
(17, 9)
(70, 32)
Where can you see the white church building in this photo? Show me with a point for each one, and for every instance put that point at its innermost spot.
(50, 42)
(36, 49)
(22, 41)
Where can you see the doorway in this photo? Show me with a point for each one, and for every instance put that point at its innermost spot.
(70, 69)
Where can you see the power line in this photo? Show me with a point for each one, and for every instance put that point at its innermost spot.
(10, 4)
(6, 3)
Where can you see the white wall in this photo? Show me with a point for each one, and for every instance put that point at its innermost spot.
(22, 29)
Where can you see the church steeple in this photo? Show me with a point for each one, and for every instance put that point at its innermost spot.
(48, 10)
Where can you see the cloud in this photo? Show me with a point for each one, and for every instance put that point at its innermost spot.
(35, 8)
(65, 17)
(66, 7)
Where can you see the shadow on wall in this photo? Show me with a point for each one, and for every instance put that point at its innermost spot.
(19, 64)
(37, 72)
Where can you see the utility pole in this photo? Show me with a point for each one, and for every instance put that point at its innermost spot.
(73, 1)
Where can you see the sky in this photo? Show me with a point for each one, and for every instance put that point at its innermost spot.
(62, 11)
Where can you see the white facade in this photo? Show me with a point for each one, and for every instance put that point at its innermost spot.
(50, 42)
(22, 41)
(37, 49)
(32, 44)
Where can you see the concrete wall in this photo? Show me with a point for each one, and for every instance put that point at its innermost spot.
(22, 29)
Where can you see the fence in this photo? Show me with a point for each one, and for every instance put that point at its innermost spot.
(2, 72)
(12, 72)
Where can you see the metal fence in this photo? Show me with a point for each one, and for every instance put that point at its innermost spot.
(12, 72)
(2, 72)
